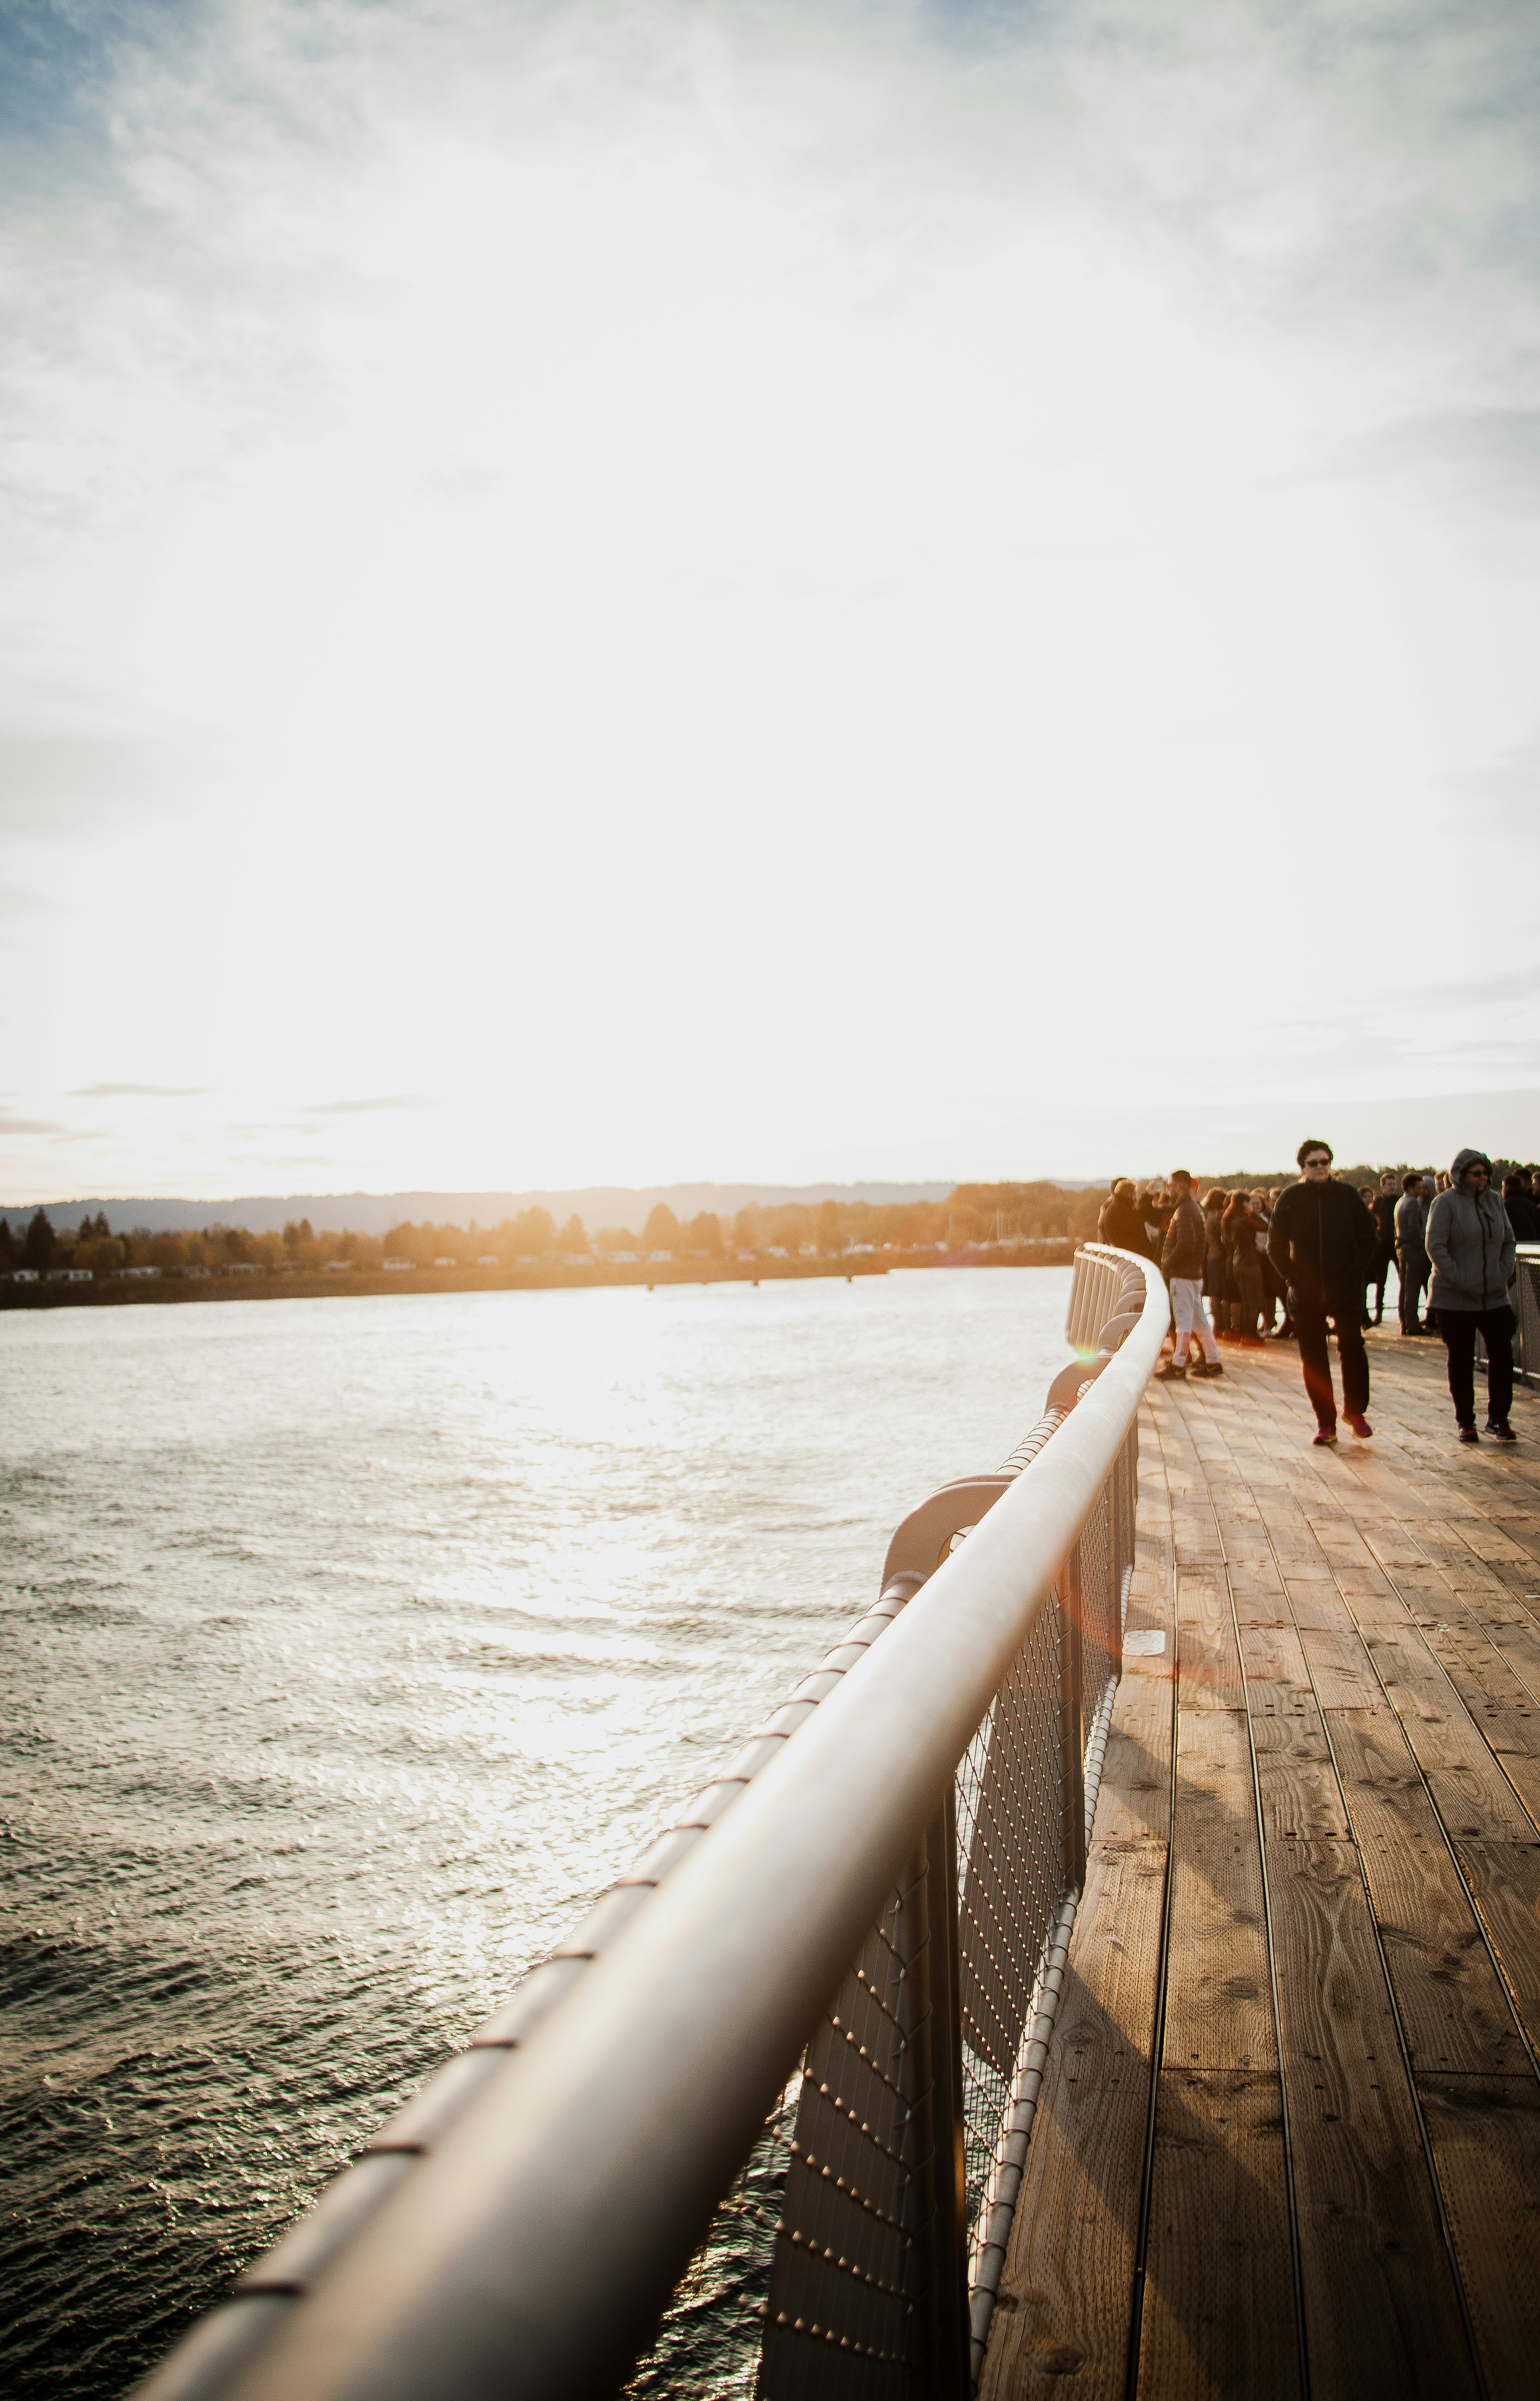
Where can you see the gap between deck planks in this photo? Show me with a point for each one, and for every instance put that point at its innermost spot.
(1321, 2173)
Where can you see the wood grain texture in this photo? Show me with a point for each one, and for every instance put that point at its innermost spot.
(1454, 2011)
(1367, 2215)
(1218, 2316)
(1358, 1647)
(1067, 2289)
(1219, 2001)
(1485, 2133)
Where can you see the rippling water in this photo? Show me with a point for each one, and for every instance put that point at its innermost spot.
(349, 1648)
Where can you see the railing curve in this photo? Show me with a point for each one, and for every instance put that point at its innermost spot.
(916, 1852)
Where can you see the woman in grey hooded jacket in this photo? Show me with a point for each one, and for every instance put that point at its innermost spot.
(1470, 1243)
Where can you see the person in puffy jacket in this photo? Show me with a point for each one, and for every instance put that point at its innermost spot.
(1322, 1242)
(1471, 1246)
(1122, 1220)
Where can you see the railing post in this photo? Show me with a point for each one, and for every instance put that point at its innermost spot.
(938, 2364)
(1071, 1726)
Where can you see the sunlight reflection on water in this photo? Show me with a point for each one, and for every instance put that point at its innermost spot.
(351, 1646)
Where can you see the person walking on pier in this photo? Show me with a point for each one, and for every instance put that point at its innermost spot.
(1182, 1265)
(1384, 1205)
(1411, 1251)
(1321, 1242)
(1470, 1243)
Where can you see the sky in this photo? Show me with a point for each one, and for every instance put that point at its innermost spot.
(617, 593)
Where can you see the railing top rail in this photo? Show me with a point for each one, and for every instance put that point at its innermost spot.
(533, 2250)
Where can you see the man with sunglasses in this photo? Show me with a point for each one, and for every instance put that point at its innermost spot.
(1322, 1242)
(1470, 1243)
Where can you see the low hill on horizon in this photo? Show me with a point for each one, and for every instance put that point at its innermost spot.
(376, 1213)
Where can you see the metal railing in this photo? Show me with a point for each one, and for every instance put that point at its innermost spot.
(1526, 1308)
(906, 1833)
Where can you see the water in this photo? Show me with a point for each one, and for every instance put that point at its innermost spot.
(350, 1647)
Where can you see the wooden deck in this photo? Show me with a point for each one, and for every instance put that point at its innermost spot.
(1289, 2141)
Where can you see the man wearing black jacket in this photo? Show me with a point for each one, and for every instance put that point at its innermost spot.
(1322, 1242)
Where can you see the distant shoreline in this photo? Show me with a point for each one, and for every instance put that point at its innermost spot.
(119, 1292)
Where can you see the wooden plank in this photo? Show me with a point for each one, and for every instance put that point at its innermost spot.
(1340, 1667)
(1219, 2303)
(1295, 1775)
(1469, 1790)
(1454, 2011)
(1066, 2287)
(1485, 2133)
(1218, 2000)
(1504, 1883)
(1210, 1663)
(1381, 2308)
(1134, 1804)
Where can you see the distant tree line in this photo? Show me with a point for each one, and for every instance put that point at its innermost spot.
(972, 1215)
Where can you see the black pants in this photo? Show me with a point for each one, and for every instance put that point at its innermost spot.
(1310, 1323)
(1378, 1277)
(1412, 1267)
(1459, 1329)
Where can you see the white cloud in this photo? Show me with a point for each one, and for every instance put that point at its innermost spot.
(702, 590)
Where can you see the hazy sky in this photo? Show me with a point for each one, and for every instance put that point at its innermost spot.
(605, 593)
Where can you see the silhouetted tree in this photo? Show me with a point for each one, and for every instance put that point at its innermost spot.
(703, 1235)
(663, 1230)
(38, 1249)
(533, 1231)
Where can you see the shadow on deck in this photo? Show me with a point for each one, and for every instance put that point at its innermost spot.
(1290, 2138)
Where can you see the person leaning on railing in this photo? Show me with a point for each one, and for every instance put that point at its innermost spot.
(1322, 1240)
(1471, 1246)
(1122, 1220)
(1519, 1201)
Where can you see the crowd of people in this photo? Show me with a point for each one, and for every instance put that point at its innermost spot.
(1300, 1261)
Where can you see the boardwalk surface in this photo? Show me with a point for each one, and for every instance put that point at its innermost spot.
(1290, 2140)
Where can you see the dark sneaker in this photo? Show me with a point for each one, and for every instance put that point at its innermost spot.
(1171, 1374)
(1360, 1424)
(1216, 1369)
(1468, 1434)
(1325, 1435)
(1501, 1432)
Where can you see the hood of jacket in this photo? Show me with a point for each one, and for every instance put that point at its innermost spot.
(1464, 1159)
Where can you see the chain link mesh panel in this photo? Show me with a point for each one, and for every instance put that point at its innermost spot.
(1011, 1873)
(841, 2315)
